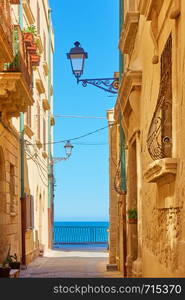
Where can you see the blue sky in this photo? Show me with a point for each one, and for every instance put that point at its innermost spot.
(82, 191)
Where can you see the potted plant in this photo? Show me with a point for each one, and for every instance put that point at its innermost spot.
(4, 266)
(32, 49)
(13, 263)
(4, 270)
(29, 33)
(35, 59)
(132, 216)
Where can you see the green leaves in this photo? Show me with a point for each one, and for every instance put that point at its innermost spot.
(132, 213)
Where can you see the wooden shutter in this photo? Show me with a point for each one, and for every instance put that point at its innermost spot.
(27, 211)
(31, 212)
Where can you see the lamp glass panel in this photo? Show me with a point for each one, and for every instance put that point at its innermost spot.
(68, 150)
(77, 63)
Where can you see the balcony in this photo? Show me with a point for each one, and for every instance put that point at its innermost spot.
(6, 51)
(16, 79)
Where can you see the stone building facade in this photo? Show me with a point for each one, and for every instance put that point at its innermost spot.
(26, 122)
(150, 108)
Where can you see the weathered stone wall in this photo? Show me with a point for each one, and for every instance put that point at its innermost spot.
(10, 230)
(161, 212)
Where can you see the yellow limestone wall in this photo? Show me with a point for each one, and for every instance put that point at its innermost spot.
(159, 248)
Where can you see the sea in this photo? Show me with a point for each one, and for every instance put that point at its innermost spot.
(80, 235)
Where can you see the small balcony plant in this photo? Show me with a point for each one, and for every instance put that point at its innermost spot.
(13, 263)
(35, 59)
(132, 216)
(29, 34)
(32, 49)
(5, 268)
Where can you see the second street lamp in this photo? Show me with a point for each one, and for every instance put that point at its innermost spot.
(77, 57)
(68, 149)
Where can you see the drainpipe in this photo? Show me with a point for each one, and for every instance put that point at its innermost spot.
(50, 168)
(22, 161)
(121, 16)
(122, 145)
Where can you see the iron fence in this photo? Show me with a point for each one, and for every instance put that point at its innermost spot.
(80, 235)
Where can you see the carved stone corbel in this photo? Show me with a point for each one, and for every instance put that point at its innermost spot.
(175, 12)
(15, 95)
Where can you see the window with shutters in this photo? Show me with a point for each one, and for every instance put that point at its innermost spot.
(38, 18)
(29, 212)
(38, 121)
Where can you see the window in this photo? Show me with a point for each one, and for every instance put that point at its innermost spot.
(29, 212)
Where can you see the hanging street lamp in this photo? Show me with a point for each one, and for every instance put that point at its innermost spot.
(77, 57)
(68, 150)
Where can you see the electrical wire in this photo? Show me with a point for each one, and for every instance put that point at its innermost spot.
(75, 138)
(39, 170)
(91, 144)
(79, 117)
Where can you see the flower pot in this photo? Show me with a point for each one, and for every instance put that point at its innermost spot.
(35, 60)
(32, 49)
(28, 38)
(14, 1)
(132, 221)
(4, 272)
(15, 265)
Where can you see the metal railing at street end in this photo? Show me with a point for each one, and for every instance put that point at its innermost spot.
(80, 235)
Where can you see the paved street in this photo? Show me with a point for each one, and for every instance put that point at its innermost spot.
(70, 263)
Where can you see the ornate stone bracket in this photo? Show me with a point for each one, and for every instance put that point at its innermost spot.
(160, 169)
(175, 12)
(131, 83)
(128, 33)
(163, 173)
(15, 96)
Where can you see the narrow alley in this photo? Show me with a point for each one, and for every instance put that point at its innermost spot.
(70, 263)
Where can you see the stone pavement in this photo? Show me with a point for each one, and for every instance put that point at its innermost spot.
(70, 263)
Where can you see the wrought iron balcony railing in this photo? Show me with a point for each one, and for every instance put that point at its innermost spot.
(21, 61)
(159, 139)
(6, 23)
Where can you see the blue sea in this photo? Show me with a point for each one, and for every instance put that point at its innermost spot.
(82, 234)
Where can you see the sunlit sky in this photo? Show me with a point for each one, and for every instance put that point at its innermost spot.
(82, 182)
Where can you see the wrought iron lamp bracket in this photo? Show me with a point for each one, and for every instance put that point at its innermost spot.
(58, 159)
(110, 85)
